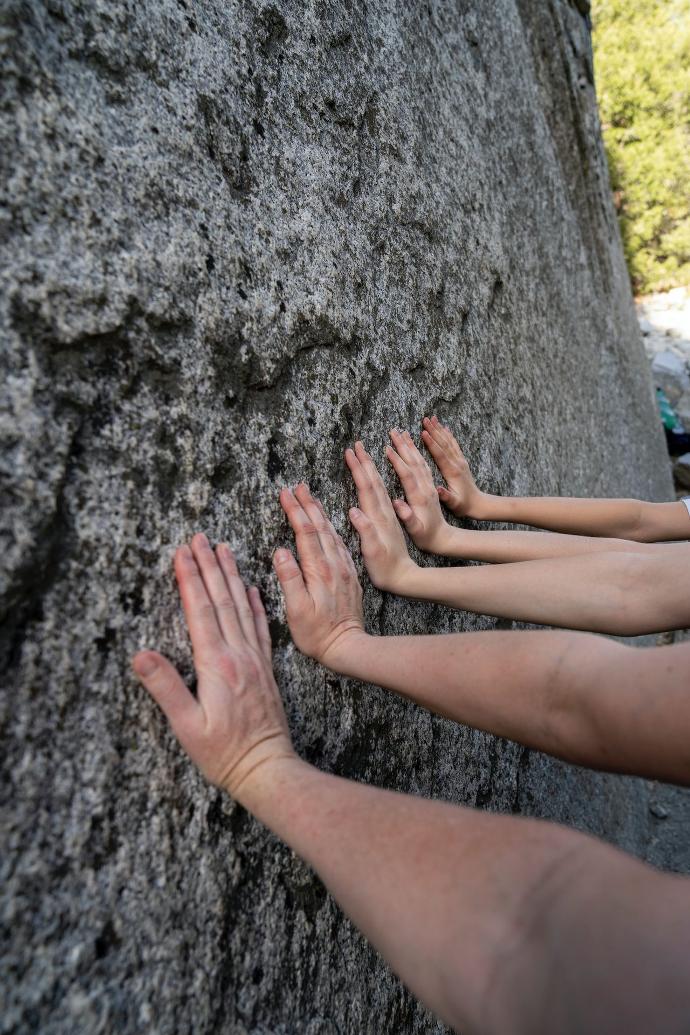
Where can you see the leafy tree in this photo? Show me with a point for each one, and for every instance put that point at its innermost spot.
(642, 63)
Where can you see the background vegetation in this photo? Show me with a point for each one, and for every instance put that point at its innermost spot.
(642, 65)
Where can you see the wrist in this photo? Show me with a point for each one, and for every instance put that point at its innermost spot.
(447, 542)
(254, 766)
(398, 578)
(482, 506)
(350, 644)
(263, 792)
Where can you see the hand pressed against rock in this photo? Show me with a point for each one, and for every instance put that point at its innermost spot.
(461, 495)
(237, 725)
(421, 514)
(323, 597)
(383, 544)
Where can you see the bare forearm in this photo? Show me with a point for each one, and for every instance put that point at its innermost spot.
(620, 518)
(623, 594)
(462, 903)
(501, 547)
(582, 698)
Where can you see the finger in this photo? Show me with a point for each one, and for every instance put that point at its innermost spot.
(408, 517)
(408, 478)
(263, 634)
(436, 449)
(306, 535)
(291, 582)
(365, 528)
(317, 516)
(447, 497)
(244, 611)
(363, 479)
(379, 489)
(414, 456)
(435, 429)
(218, 589)
(167, 688)
(346, 557)
(200, 613)
(400, 441)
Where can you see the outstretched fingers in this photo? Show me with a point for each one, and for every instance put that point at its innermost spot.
(217, 572)
(263, 634)
(240, 598)
(435, 447)
(317, 515)
(371, 492)
(201, 616)
(307, 539)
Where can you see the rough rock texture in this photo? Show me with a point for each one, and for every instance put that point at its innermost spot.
(234, 236)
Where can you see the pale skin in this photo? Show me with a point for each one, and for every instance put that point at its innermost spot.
(597, 585)
(634, 520)
(486, 918)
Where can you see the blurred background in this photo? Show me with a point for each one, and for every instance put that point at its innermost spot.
(642, 66)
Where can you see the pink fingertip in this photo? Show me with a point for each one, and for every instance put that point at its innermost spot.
(144, 664)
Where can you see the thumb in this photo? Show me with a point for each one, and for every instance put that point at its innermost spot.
(291, 580)
(408, 517)
(445, 495)
(361, 523)
(167, 688)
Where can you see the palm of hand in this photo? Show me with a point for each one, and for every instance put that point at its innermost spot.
(460, 494)
(323, 598)
(237, 722)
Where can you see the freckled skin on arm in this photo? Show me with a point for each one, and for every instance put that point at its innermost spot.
(486, 918)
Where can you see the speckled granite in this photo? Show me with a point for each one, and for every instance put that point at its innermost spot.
(233, 236)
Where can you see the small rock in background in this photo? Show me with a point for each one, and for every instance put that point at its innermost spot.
(669, 372)
(682, 409)
(658, 810)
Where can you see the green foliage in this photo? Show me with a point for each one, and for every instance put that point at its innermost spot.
(642, 62)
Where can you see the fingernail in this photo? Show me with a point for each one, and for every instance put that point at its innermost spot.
(185, 550)
(355, 512)
(281, 556)
(144, 666)
(202, 539)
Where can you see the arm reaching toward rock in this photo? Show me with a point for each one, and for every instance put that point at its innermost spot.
(421, 514)
(486, 918)
(622, 593)
(579, 697)
(636, 520)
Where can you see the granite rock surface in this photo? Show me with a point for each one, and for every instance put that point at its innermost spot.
(234, 236)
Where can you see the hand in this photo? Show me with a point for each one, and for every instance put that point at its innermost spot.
(383, 544)
(421, 514)
(236, 727)
(462, 497)
(323, 597)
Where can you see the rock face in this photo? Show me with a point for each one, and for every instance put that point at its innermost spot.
(235, 236)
